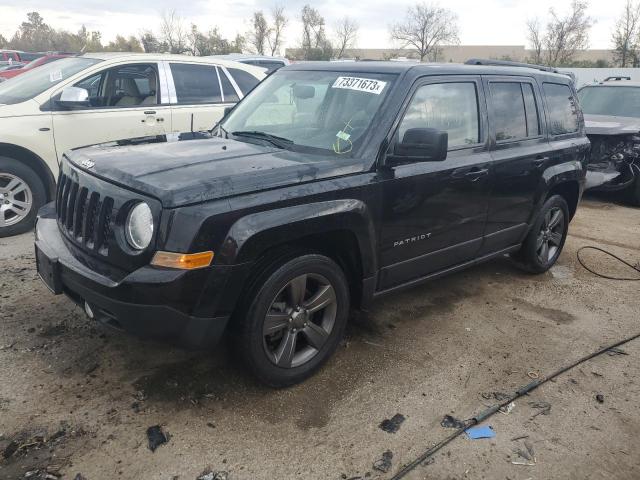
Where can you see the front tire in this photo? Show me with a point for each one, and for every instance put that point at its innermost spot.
(295, 320)
(633, 194)
(545, 240)
(22, 193)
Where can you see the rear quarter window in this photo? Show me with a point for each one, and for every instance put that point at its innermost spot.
(562, 108)
(245, 80)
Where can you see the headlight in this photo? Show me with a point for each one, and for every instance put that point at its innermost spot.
(139, 226)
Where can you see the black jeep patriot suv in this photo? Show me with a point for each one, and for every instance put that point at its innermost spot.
(329, 185)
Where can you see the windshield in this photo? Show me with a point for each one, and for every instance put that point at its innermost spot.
(310, 111)
(36, 81)
(615, 101)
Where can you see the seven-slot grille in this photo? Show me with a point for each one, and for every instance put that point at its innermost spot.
(84, 215)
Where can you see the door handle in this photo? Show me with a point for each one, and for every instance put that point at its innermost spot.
(150, 112)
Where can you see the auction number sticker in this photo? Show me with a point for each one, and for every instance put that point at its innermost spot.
(360, 84)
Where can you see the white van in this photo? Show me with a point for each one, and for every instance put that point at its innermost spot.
(102, 97)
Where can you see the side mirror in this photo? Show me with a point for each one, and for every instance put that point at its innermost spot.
(422, 145)
(74, 97)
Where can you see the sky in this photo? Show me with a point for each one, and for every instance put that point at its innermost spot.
(481, 22)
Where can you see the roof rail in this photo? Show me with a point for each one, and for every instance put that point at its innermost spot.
(616, 78)
(507, 63)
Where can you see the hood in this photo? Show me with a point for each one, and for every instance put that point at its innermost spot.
(182, 172)
(611, 125)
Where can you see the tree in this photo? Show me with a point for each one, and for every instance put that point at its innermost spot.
(535, 38)
(33, 35)
(3, 41)
(315, 45)
(346, 33)
(425, 28)
(122, 44)
(563, 36)
(173, 33)
(150, 43)
(276, 38)
(626, 36)
(259, 36)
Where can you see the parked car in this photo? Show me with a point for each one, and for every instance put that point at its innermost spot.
(329, 185)
(94, 98)
(271, 64)
(4, 66)
(7, 74)
(18, 56)
(612, 117)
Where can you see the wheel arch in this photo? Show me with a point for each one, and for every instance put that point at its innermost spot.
(36, 163)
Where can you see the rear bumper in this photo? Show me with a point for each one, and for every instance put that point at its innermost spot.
(173, 305)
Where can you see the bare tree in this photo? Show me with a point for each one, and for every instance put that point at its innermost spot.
(346, 33)
(276, 38)
(534, 33)
(173, 33)
(315, 45)
(258, 37)
(425, 28)
(626, 35)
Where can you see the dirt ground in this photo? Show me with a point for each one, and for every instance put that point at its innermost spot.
(75, 399)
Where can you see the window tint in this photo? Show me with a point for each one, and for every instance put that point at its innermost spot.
(245, 80)
(508, 111)
(125, 86)
(230, 95)
(533, 118)
(451, 107)
(563, 109)
(196, 84)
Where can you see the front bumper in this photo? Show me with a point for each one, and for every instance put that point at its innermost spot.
(174, 305)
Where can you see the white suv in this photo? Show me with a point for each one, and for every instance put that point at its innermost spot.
(95, 98)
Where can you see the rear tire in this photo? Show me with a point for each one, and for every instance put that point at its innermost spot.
(543, 245)
(295, 320)
(22, 193)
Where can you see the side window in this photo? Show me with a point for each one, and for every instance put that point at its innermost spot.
(245, 80)
(196, 84)
(509, 117)
(92, 85)
(124, 86)
(451, 107)
(563, 109)
(230, 95)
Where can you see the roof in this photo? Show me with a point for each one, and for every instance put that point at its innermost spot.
(425, 69)
(170, 56)
(246, 56)
(614, 83)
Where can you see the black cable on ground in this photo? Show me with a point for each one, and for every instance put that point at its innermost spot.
(492, 410)
(633, 267)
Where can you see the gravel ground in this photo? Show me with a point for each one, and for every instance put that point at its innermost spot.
(75, 399)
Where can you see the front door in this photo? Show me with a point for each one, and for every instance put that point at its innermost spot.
(124, 102)
(434, 213)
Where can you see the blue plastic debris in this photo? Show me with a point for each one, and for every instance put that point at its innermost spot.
(475, 433)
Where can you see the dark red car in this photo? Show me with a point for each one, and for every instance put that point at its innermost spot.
(6, 75)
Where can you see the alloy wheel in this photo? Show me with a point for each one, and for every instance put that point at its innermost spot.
(16, 199)
(550, 236)
(299, 320)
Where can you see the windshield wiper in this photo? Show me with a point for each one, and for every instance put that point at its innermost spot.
(275, 140)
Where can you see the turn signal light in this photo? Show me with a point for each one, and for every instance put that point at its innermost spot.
(182, 261)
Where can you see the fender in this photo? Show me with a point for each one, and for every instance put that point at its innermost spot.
(251, 235)
(566, 172)
(35, 162)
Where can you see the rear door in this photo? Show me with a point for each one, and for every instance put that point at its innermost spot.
(126, 101)
(199, 95)
(520, 153)
(434, 213)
